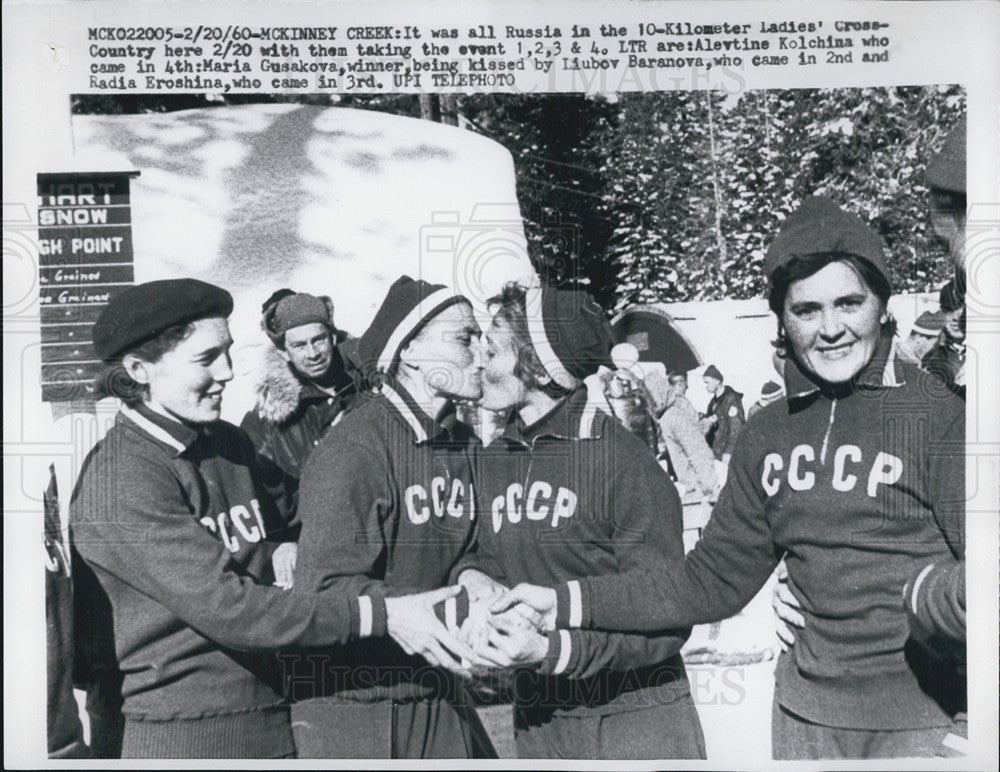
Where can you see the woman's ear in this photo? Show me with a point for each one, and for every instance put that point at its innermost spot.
(137, 368)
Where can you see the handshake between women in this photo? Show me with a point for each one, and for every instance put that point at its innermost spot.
(504, 628)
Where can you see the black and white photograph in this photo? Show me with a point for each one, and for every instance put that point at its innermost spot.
(387, 407)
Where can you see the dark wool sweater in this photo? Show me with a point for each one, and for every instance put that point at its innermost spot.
(385, 497)
(173, 522)
(576, 495)
(858, 487)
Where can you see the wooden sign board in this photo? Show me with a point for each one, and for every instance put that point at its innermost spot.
(84, 258)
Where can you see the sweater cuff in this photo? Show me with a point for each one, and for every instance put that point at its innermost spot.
(368, 616)
(563, 653)
(573, 604)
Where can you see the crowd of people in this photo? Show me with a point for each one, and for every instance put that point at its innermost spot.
(324, 581)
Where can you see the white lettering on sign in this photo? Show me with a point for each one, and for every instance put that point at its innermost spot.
(73, 217)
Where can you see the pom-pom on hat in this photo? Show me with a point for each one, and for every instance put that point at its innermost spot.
(819, 226)
(139, 313)
(946, 169)
(408, 306)
(929, 323)
(569, 332)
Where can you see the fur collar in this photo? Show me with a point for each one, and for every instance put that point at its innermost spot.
(278, 391)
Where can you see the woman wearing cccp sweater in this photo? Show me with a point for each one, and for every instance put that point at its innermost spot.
(857, 479)
(567, 492)
(173, 517)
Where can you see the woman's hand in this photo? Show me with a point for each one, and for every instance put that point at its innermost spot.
(283, 562)
(787, 610)
(536, 604)
(480, 586)
(413, 625)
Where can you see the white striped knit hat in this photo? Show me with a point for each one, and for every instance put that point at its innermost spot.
(408, 306)
(569, 332)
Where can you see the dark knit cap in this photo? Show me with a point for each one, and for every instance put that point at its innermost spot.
(408, 306)
(286, 309)
(569, 332)
(139, 313)
(929, 323)
(949, 298)
(713, 372)
(946, 170)
(819, 226)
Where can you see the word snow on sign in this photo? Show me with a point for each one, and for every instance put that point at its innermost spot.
(84, 258)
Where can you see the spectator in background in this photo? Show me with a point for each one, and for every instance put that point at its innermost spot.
(724, 416)
(690, 455)
(946, 358)
(769, 392)
(945, 176)
(923, 335)
(305, 389)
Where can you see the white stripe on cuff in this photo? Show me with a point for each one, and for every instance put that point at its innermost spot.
(916, 585)
(365, 616)
(565, 647)
(575, 603)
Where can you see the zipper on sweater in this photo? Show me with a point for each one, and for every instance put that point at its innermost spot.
(829, 428)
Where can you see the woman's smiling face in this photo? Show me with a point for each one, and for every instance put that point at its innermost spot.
(833, 321)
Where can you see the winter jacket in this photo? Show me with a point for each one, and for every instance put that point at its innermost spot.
(690, 454)
(173, 522)
(858, 486)
(576, 495)
(386, 497)
(727, 407)
(291, 414)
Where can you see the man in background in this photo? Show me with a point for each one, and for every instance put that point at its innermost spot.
(689, 453)
(305, 389)
(946, 358)
(724, 416)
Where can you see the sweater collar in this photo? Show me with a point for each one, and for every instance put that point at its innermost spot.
(424, 427)
(574, 417)
(176, 435)
(881, 371)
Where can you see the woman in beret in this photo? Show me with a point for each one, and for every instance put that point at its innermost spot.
(856, 479)
(179, 527)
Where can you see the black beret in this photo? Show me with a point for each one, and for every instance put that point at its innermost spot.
(819, 226)
(138, 313)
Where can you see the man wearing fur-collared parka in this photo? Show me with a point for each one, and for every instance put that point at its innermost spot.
(306, 386)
